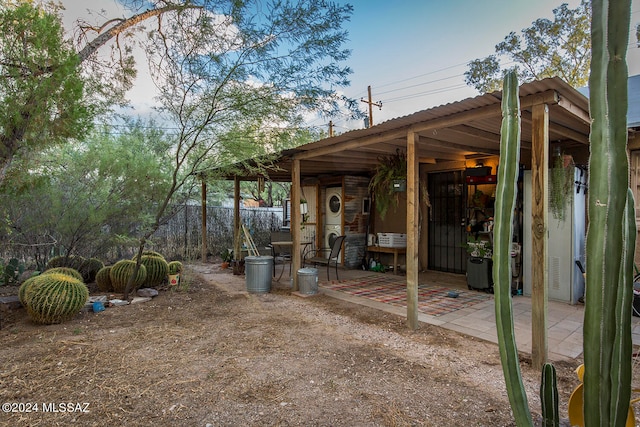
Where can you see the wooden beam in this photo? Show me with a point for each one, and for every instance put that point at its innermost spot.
(413, 203)
(203, 232)
(575, 110)
(539, 230)
(296, 220)
(236, 218)
(547, 97)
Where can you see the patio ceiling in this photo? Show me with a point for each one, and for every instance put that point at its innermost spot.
(459, 131)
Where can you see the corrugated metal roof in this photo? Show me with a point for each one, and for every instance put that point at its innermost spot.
(449, 132)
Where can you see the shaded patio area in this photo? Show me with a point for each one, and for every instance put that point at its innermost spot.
(472, 313)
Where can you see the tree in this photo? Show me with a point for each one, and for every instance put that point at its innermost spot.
(237, 78)
(41, 89)
(561, 47)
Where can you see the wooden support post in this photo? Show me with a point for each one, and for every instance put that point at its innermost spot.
(237, 254)
(413, 201)
(296, 220)
(539, 230)
(203, 248)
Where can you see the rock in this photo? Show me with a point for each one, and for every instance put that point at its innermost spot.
(138, 300)
(147, 292)
(11, 302)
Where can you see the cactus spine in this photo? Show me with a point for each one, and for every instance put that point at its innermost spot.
(549, 396)
(611, 234)
(122, 270)
(65, 270)
(103, 279)
(175, 267)
(55, 298)
(24, 288)
(157, 270)
(505, 204)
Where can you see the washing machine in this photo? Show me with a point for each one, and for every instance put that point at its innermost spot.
(330, 234)
(333, 211)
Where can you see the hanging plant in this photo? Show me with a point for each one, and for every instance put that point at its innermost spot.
(561, 181)
(389, 170)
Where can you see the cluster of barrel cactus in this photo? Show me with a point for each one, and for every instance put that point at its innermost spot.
(157, 268)
(122, 270)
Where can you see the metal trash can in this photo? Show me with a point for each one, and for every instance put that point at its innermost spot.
(258, 272)
(308, 281)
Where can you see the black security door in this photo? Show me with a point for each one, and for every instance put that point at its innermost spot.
(447, 193)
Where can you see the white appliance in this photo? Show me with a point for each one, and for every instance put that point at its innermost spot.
(333, 211)
(565, 244)
(330, 234)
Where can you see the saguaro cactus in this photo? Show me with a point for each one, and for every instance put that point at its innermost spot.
(503, 234)
(611, 234)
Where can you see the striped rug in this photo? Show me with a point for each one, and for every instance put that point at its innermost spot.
(389, 289)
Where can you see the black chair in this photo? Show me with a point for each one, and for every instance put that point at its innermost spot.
(317, 257)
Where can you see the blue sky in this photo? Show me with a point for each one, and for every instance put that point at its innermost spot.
(413, 53)
(424, 45)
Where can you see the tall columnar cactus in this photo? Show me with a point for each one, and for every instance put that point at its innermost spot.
(55, 298)
(611, 234)
(103, 279)
(122, 270)
(502, 231)
(65, 270)
(549, 396)
(157, 270)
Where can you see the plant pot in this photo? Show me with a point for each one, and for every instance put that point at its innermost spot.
(174, 279)
(224, 265)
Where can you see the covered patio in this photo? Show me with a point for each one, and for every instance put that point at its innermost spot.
(452, 137)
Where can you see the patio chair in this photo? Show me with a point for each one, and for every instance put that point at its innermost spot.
(280, 251)
(317, 257)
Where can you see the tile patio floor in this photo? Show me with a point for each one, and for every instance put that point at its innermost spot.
(564, 320)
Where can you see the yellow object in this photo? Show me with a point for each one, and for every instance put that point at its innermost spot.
(576, 401)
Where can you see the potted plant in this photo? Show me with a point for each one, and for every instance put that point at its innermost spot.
(175, 269)
(389, 179)
(479, 248)
(227, 256)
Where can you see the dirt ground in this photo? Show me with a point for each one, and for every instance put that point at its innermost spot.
(212, 354)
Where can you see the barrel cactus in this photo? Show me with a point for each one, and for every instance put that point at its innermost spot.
(65, 270)
(122, 270)
(157, 270)
(103, 279)
(55, 298)
(175, 267)
(73, 261)
(22, 291)
(90, 268)
(149, 253)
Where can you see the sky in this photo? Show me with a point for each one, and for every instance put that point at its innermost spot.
(413, 53)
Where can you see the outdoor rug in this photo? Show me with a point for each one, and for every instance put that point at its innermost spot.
(389, 289)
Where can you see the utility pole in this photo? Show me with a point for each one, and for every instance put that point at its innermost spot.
(371, 104)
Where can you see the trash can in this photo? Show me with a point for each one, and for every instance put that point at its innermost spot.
(258, 271)
(308, 281)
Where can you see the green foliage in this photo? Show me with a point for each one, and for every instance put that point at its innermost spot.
(545, 49)
(41, 87)
(612, 231)
(11, 271)
(72, 272)
(90, 268)
(389, 168)
(175, 267)
(122, 270)
(157, 270)
(226, 255)
(103, 279)
(55, 298)
(561, 184)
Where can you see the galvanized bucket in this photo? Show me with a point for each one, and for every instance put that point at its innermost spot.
(308, 281)
(258, 273)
